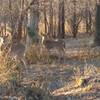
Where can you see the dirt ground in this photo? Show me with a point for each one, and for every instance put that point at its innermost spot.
(77, 78)
(59, 79)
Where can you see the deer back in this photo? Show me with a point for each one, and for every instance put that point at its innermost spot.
(49, 44)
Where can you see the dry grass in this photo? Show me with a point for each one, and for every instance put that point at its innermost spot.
(9, 68)
(37, 54)
(85, 53)
(85, 77)
(83, 82)
(10, 71)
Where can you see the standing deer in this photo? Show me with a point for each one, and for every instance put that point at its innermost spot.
(58, 44)
(17, 50)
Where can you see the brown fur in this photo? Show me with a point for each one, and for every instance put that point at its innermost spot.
(54, 44)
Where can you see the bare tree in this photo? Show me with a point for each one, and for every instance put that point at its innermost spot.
(88, 18)
(97, 35)
(45, 17)
(20, 21)
(61, 22)
(50, 19)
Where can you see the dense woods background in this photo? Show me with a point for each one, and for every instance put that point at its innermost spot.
(56, 18)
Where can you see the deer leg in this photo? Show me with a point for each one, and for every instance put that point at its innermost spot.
(64, 56)
(48, 57)
(25, 65)
(48, 54)
(59, 56)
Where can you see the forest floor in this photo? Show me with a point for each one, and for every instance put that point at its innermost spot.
(78, 78)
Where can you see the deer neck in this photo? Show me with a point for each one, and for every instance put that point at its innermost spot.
(43, 39)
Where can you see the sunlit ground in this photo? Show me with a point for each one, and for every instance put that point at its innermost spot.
(78, 78)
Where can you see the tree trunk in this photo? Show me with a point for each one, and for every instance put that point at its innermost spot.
(45, 19)
(20, 21)
(75, 26)
(33, 21)
(88, 20)
(97, 35)
(61, 22)
(51, 20)
(19, 31)
(55, 27)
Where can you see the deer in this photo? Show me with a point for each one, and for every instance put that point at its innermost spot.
(17, 50)
(57, 44)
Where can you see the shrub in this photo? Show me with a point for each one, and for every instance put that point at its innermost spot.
(9, 68)
(85, 77)
(37, 54)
